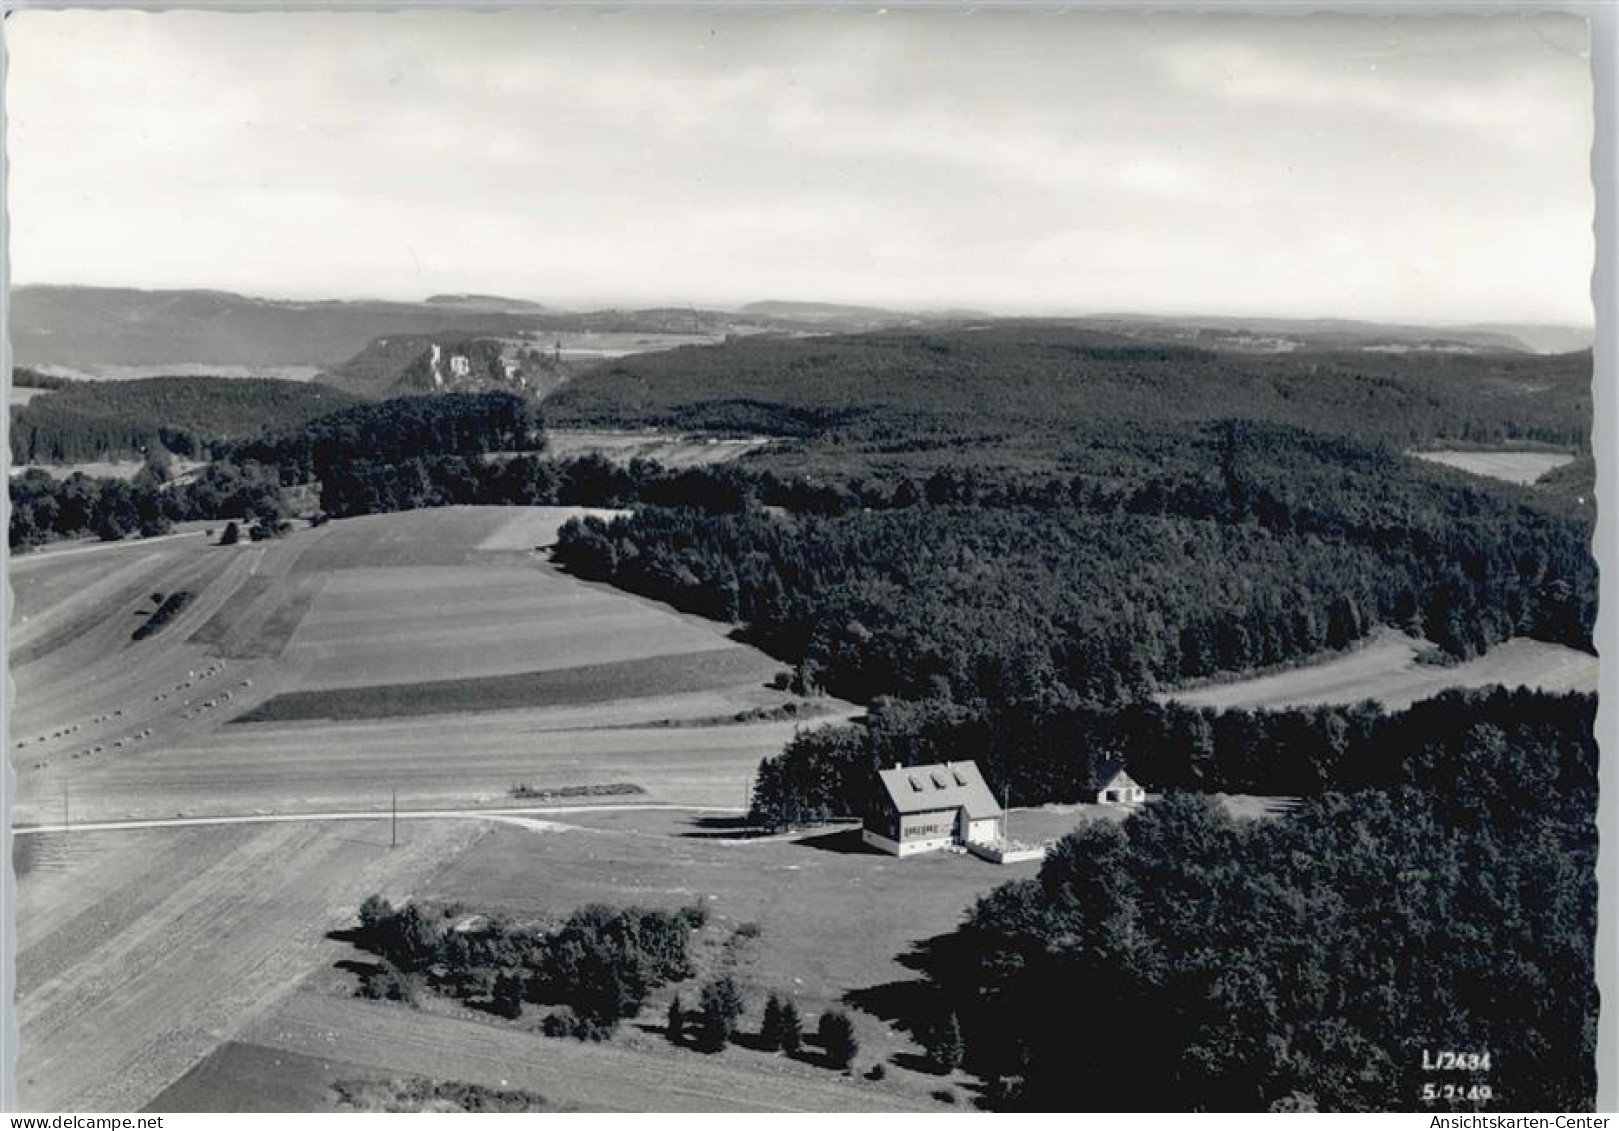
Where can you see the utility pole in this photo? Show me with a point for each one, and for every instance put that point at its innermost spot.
(393, 825)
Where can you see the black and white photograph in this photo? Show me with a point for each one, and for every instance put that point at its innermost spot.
(921, 559)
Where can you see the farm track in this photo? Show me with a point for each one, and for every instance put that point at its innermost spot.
(512, 814)
(462, 761)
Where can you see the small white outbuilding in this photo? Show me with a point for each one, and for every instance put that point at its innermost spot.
(1118, 788)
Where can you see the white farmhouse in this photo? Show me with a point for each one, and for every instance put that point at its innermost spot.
(925, 808)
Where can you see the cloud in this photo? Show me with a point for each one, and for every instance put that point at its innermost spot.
(1416, 168)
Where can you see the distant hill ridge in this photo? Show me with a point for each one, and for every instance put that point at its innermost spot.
(495, 303)
(784, 309)
(1014, 387)
(93, 326)
(88, 327)
(1280, 335)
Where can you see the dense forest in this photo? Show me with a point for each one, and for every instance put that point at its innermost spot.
(1046, 394)
(1262, 546)
(195, 417)
(398, 430)
(1295, 964)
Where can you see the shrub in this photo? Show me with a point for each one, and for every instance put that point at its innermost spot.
(792, 1030)
(386, 982)
(675, 1027)
(695, 915)
(566, 1023)
(507, 996)
(770, 1029)
(836, 1032)
(375, 912)
(719, 1006)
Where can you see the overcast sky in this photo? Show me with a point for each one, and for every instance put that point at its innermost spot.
(1419, 169)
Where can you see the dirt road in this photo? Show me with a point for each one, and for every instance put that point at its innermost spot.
(512, 814)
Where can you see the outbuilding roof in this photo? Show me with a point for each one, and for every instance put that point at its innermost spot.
(1106, 772)
(1120, 780)
(941, 785)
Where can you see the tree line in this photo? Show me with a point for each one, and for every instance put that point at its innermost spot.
(1037, 754)
(398, 430)
(595, 968)
(354, 448)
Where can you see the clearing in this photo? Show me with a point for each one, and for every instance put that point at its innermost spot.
(1385, 668)
(672, 449)
(1512, 466)
(180, 369)
(20, 394)
(107, 468)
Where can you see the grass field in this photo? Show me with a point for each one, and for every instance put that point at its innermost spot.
(587, 344)
(420, 624)
(18, 394)
(421, 652)
(138, 953)
(780, 887)
(1385, 668)
(567, 686)
(1514, 467)
(103, 469)
(180, 369)
(672, 449)
(143, 954)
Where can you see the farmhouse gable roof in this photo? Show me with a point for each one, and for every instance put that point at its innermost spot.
(941, 785)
